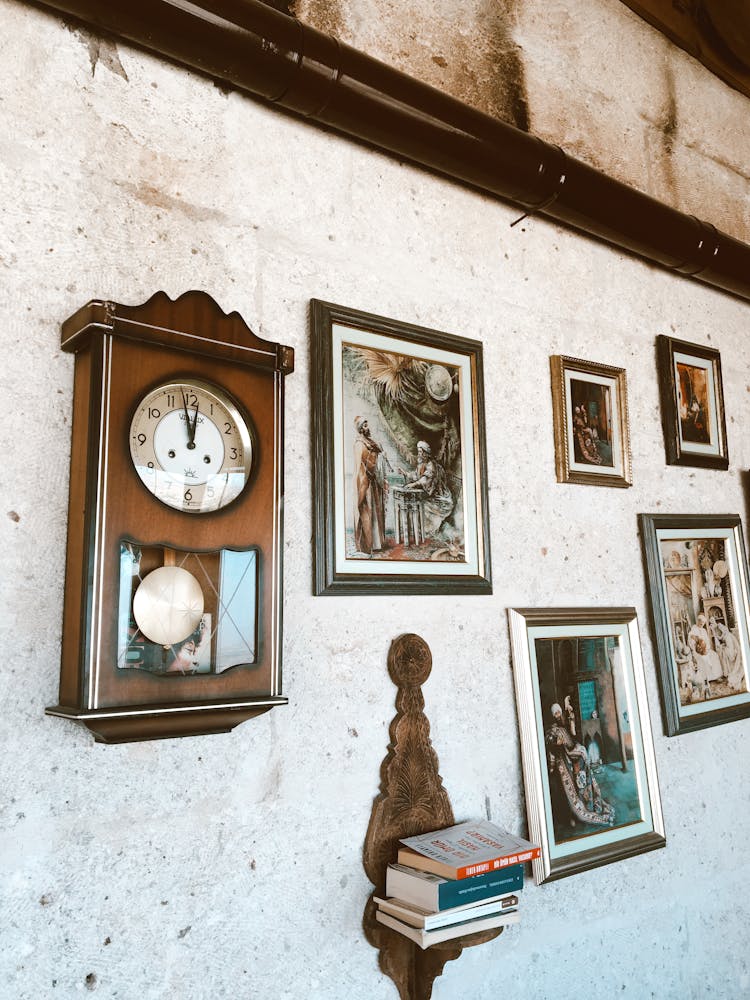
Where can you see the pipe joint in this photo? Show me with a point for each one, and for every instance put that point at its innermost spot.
(317, 72)
(550, 178)
(705, 251)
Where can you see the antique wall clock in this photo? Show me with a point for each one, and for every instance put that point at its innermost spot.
(172, 616)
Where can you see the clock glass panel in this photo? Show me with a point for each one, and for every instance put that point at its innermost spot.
(222, 636)
(191, 446)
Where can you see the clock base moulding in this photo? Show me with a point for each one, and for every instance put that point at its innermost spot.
(130, 725)
(176, 469)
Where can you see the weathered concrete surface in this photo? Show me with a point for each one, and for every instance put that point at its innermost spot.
(231, 866)
(592, 78)
(469, 53)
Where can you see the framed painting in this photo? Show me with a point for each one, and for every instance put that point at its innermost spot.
(590, 413)
(692, 404)
(697, 581)
(399, 472)
(589, 770)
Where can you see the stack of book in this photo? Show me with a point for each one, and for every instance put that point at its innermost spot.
(456, 881)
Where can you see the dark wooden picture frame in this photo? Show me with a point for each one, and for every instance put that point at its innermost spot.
(400, 464)
(692, 404)
(698, 587)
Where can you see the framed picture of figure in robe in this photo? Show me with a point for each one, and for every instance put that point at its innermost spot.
(399, 471)
(692, 404)
(592, 793)
(698, 585)
(590, 416)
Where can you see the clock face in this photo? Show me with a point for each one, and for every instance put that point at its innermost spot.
(191, 446)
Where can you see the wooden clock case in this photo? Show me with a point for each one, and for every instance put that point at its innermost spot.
(121, 352)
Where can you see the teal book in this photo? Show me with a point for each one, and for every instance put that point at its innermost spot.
(434, 893)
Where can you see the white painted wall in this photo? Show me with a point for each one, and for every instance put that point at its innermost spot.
(230, 866)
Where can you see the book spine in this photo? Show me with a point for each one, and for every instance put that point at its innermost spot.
(456, 893)
(447, 918)
(496, 864)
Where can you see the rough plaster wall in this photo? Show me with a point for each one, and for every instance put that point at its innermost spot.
(466, 50)
(230, 866)
(593, 78)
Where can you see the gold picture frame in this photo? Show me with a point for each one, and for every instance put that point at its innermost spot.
(590, 414)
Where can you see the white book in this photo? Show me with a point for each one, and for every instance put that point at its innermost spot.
(425, 938)
(427, 920)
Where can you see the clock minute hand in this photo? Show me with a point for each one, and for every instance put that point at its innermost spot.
(190, 426)
(187, 419)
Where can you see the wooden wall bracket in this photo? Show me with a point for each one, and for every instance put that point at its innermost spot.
(412, 800)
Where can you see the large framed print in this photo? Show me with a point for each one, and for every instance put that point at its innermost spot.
(692, 401)
(698, 585)
(592, 793)
(399, 472)
(590, 413)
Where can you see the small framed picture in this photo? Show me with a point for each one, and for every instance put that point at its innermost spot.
(589, 770)
(697, 581)
(590, 411)
(399, 473)
(692, 402)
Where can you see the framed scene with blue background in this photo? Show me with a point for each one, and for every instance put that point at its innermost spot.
(587, 751)
(399, 470)
(697, 581)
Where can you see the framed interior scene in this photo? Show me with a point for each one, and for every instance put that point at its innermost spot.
(692, 404)
(592, 793)
(399, 472)
(590, 413)
(697, 581)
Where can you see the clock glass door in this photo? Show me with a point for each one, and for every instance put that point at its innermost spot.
(183, 613)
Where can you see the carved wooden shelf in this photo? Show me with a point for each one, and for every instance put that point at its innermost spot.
(412, 800)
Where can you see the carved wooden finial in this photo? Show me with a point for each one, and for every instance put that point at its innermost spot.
(409, 661)
(412, 800)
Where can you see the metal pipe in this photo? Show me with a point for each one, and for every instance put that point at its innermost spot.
(266, 53)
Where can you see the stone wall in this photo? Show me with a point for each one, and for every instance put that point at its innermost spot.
(596, 80)
(230, 866)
